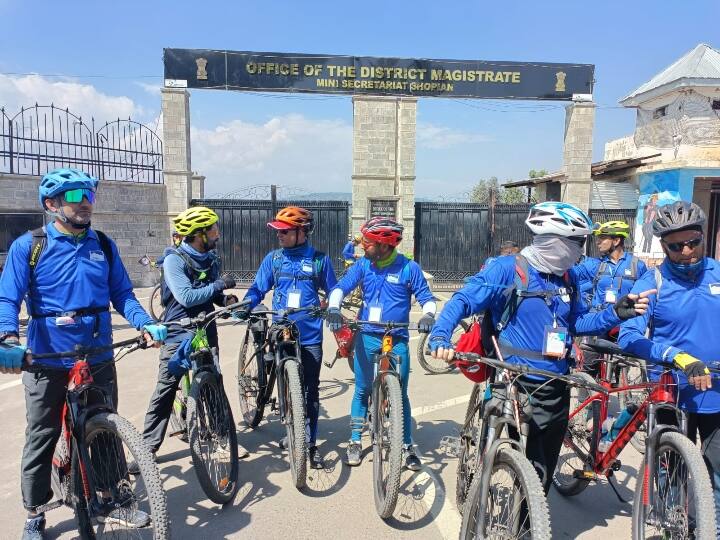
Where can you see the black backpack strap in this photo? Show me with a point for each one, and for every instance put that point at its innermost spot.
(600, 272)
(106, 247)
(39, 243)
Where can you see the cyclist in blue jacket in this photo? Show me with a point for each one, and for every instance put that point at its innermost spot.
(683, 322)
(388, 280)
(70, 274)
(295, 273)
(539, 327)
(348, 252)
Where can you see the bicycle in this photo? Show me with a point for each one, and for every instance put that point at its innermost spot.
(275, 356)
(514, 506)
(433, 365)
(202, 408)
(90, 462)
(673, 478)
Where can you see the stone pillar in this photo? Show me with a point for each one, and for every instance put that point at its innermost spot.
(198, 186)
(384, 161)
(577, 153)
(176, 148)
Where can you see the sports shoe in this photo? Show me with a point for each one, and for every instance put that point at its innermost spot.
(353, 453)
(316, 459)
(34, 528)
(412, 462)
(130, 518)
(284, 443)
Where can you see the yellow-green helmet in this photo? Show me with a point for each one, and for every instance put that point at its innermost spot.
(194, 219)
(613, 228)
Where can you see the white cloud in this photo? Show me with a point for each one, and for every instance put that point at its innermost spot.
(152, 89)
(290, 150)
(441, 137)
(83, 100)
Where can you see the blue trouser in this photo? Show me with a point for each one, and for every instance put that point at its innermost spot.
(366, 347)
(311, 358)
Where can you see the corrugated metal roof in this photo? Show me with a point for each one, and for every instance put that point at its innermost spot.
(702, 64)
(613, 195)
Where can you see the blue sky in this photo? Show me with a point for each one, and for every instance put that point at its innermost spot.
(305, 141)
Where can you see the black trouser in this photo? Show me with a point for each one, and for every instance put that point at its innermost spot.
(44, 398)
(161, 402)
(708, 425)
(549, 409)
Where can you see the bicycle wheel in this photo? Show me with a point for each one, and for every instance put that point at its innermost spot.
(251, 381)
(580, 443)
(629, 375)
(155, 303)
(514, 502)
(126, 506)
(467, 454)
(387, 432)
(213, 439)
(432, 365)
(682, 505)
(295, 423)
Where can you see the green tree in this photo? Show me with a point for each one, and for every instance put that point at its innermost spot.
(481, 192)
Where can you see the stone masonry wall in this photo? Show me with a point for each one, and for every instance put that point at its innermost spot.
(577, 153)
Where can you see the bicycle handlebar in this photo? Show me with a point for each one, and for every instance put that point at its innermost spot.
(526, 370)
(187, 322)
(135, 343)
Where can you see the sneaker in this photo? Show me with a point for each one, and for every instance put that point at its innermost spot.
(412, 462)
(353, 453)
(130, 518)
(34, 528)
(134, 468)
(316, 459)
(284, 443)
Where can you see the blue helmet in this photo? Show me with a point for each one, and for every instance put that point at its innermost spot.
(61, 180)
(559, 218)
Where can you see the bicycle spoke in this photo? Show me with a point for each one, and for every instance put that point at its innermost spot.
(214, 440)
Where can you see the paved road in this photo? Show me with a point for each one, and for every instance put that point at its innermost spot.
(338, 502)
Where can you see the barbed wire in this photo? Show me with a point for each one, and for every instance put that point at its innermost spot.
(263, 192)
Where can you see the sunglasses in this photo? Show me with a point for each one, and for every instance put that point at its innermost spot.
(285, 231)
(76, 195)
(677, 247)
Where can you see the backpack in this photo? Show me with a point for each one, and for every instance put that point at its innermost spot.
(317, 264)
(515, 295)
(601, 272)
(39, 243)
(196, 273)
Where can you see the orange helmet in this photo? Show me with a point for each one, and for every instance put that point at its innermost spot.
(293, 217)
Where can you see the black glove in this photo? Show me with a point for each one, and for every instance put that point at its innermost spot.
(225, 282)
(426, 323)
(334, 319)
(690, 365)
(625, 308)
(242, 314)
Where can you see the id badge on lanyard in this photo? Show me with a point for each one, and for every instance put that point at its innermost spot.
(610, 295)
(375, 312)
(554, 341)
(293, 298)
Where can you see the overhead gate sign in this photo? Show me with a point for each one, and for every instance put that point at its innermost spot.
(328, 74)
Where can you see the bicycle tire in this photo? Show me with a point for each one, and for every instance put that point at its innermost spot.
(701, 493)
(251, 382)
(581, 435)
(636, 376)
(119, 428)
(295, 423)
(466, 456)
(432, 365)
(210, 422)
(536, 505)
(155, 303)
(387, 394)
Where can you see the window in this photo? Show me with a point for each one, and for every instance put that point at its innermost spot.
(14, 225)
(659, 113)
(716, 105)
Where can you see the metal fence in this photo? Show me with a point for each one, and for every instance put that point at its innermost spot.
(41, 138)
(452, 240)
(245, 238)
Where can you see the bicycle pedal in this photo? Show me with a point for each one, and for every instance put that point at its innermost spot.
(450, 445)
(584, 475)
(616, 465)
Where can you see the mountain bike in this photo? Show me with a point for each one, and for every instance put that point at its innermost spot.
(202, 407)
(433, 365)
(674, 496)
(90, 463)
(275, 355)
(505, 498)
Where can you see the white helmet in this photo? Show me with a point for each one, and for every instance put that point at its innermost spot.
(559, 218)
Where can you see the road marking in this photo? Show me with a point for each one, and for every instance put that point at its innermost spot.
(427, 409)
(10, 384)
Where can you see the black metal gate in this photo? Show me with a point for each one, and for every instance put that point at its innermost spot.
(452, 240)
(245, 238)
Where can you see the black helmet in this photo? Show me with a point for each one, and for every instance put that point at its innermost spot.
(678, 216)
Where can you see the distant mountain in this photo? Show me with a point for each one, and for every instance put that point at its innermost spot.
(340, 196)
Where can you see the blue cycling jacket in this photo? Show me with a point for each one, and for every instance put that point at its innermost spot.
(71, 274)
(390, 288)
(684, 318)
(295, 269)
(616, 275)
(526, 329)
(348, 251)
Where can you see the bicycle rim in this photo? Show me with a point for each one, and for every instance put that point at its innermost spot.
(467, 454)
